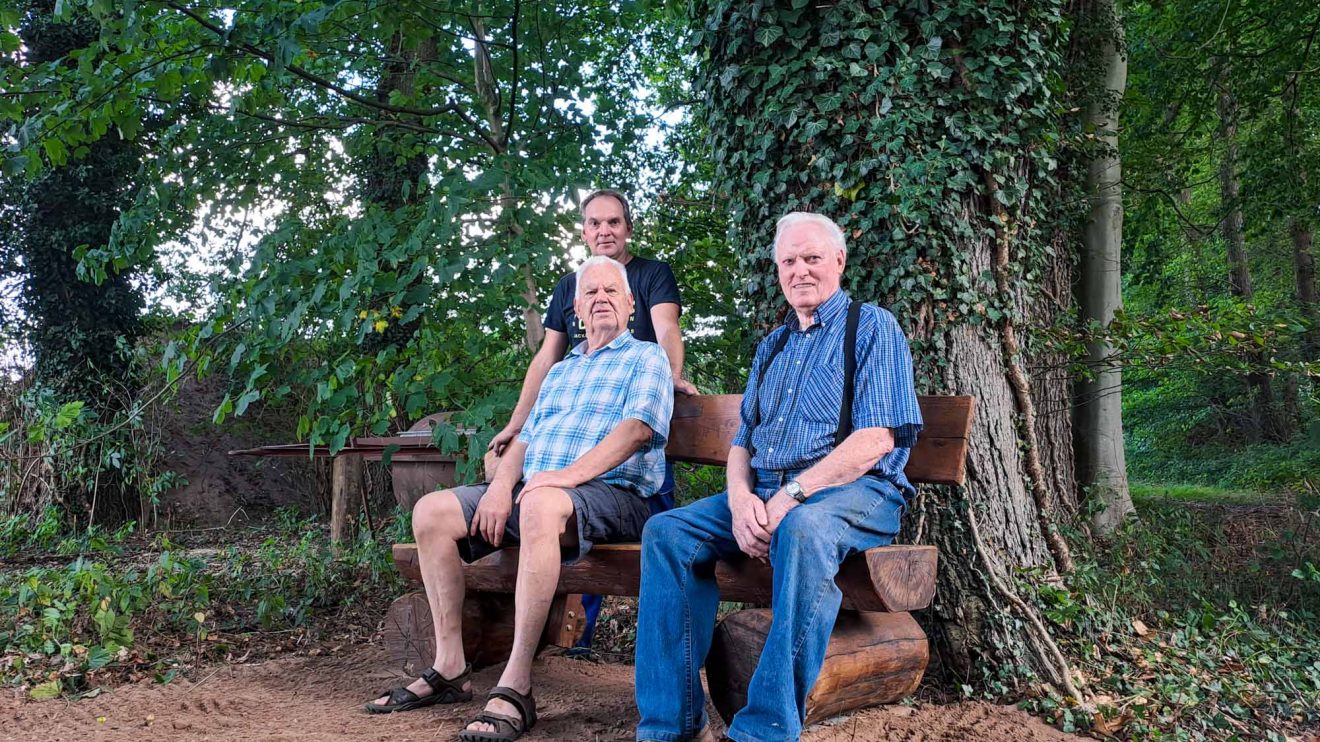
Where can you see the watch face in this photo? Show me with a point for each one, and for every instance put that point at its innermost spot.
(794, 490)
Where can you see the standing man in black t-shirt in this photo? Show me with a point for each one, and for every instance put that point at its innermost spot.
(606, 228)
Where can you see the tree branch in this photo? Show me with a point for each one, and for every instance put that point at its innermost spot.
(335, 87)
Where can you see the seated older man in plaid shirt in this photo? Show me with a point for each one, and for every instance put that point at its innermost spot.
(814, 475)
(579, 473)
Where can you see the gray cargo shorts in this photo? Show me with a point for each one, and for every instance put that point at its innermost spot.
(605, 514)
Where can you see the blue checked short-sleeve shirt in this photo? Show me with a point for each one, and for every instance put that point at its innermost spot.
(585, 396)
(803, 390)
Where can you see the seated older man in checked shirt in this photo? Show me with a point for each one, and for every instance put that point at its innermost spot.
(579, 473)
(812, 478)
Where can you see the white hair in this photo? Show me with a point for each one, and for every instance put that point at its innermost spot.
(600, 260)
(794, 218)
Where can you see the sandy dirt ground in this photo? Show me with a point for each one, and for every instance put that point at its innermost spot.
(319, 698)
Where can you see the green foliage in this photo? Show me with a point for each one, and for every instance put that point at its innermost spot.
(1200, 71)
(421, 177)
(928, 132)
(1192, 625)
(107, 612)
(1261, 467)
(88, 464)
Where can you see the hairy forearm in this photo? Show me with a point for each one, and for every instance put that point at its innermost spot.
(622, 442)
(738, 473)
(511, 466)
(665, 319)
(672, 342)
(857, 455)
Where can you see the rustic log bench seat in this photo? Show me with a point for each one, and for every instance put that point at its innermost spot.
(877, 653)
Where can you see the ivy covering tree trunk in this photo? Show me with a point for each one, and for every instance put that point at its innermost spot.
(81, 331)
(930, 133)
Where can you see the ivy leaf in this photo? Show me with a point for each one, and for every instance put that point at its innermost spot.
(767, 34)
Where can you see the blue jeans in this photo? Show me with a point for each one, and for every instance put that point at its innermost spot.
(676, 617)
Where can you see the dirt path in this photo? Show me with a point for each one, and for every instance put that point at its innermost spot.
(306, 698)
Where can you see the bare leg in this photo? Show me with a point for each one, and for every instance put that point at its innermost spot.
(543, 524)
(438, 524)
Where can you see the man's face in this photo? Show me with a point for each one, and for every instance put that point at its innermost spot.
(809, 266)
(603, 303)
(604, 229)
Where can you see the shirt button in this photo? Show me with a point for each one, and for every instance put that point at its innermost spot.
(781, 419)
(770, 450)
(790, 391)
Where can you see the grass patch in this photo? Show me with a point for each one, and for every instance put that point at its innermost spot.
(1143, 491)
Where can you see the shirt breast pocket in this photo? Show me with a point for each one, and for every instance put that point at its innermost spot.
(822, 391)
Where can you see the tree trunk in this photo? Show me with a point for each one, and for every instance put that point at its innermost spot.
(1098, 414)
(1304, 274)
(1235, 241)
(945, 227)
(490, 98)
(391, 186)
(1264, 416)
(79, 329)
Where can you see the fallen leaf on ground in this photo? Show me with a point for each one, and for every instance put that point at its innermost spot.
(46, 691)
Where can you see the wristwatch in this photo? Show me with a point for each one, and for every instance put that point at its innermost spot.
(794, 490)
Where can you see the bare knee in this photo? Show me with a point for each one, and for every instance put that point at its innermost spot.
(544, 514)
(438, 515)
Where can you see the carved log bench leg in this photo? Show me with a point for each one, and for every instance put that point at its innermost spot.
(872, 658)
(487, 628)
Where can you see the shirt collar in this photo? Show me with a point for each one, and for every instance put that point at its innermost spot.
(623, 339)
(826, 313)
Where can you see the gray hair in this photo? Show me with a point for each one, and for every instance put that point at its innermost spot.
(795, 218)
(599, 260)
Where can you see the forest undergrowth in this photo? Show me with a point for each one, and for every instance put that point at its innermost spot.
(1200, 623)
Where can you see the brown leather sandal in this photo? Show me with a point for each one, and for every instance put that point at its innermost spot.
(507, 728)
(443, 690)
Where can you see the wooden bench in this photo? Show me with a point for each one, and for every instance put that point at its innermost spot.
(877, 653)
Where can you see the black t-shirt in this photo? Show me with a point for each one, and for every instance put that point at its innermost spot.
(652, 283)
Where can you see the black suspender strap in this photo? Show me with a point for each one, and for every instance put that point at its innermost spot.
(849, 372)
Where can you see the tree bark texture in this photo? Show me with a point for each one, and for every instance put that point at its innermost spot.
(1098, 414)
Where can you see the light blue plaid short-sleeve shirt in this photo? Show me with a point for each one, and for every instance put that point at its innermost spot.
(803, 390)
(585, 396)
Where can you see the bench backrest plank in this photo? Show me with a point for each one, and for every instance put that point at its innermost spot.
(703, 427)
